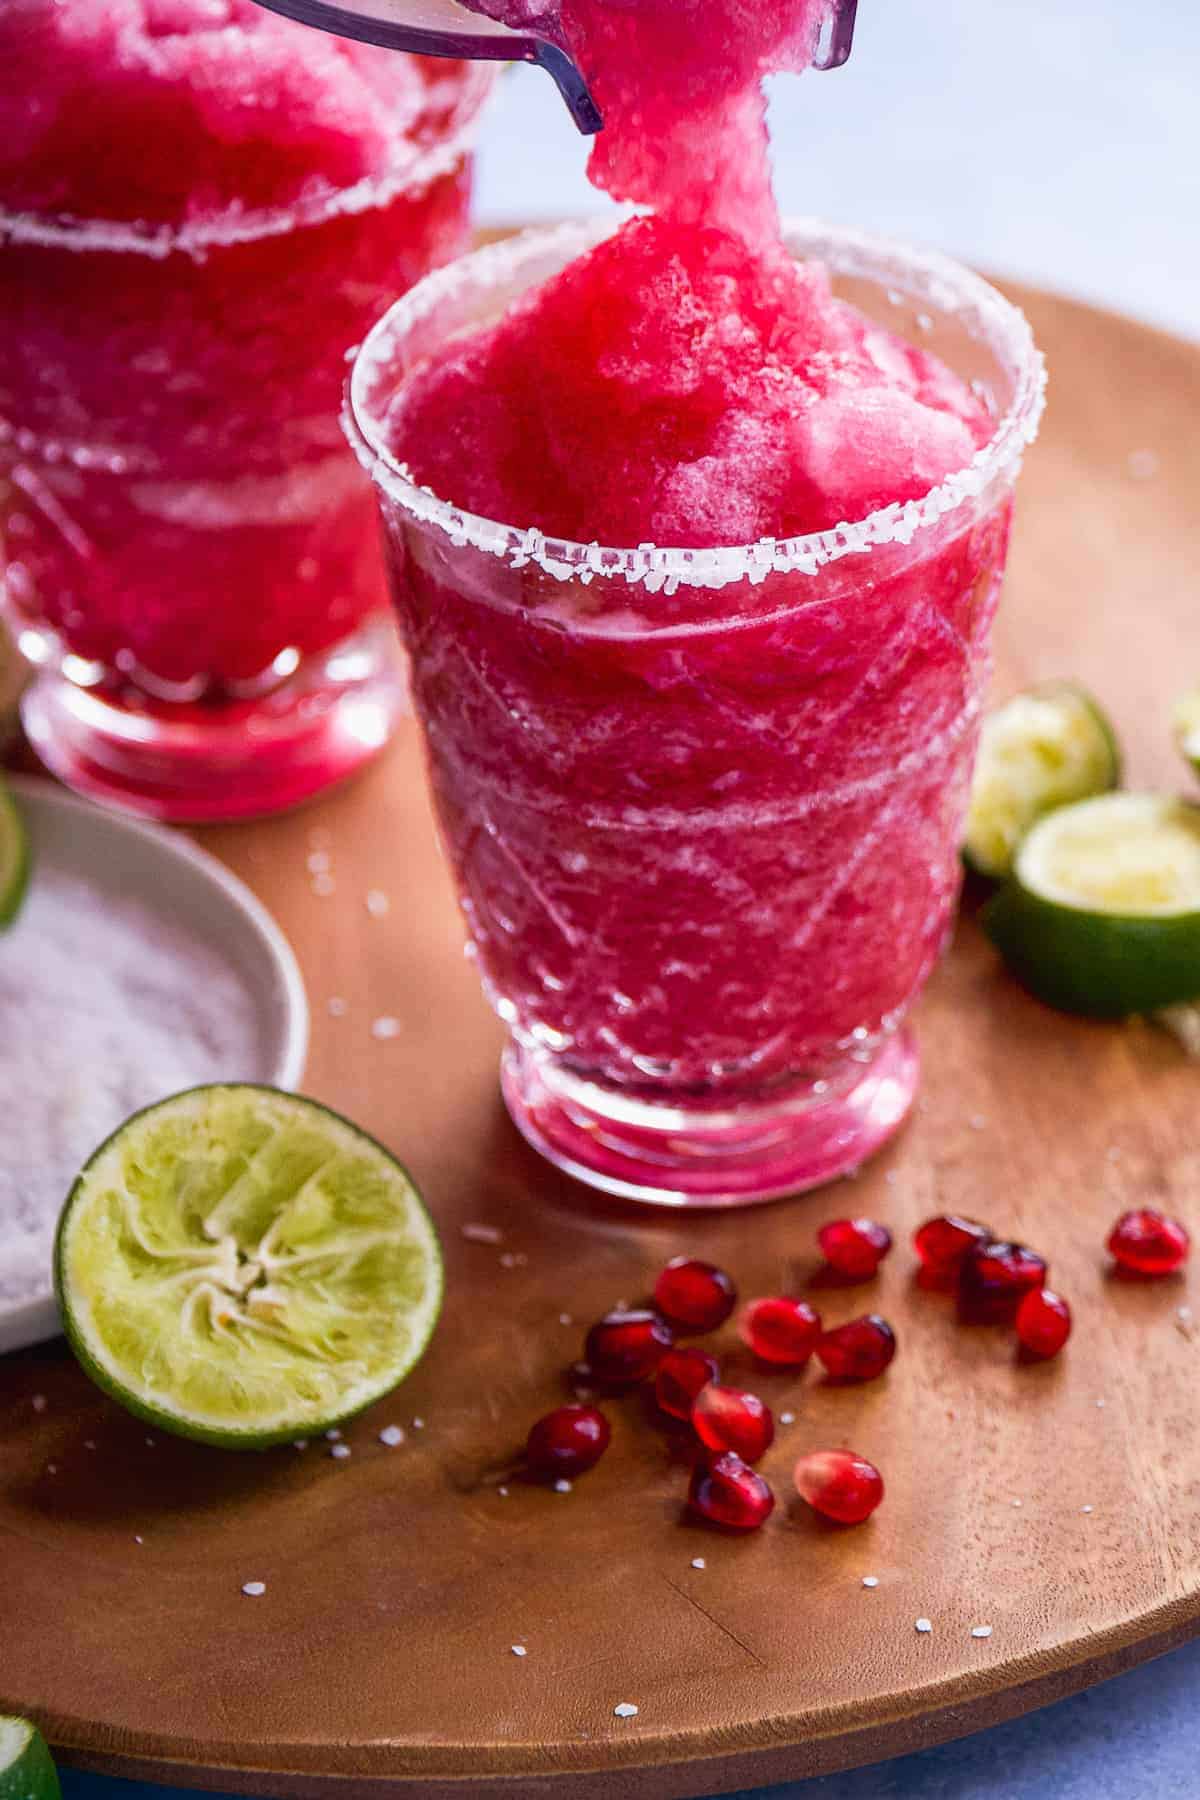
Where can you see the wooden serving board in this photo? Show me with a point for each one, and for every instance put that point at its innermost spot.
(398, 1580)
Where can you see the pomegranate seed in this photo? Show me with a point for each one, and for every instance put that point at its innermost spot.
(694, 1296)
(839, 1485)
(726, 1419)
(567, 1441)
(994, 1279)
(942, 1243)
(854, 1248)
(725, 1492)
(781, 1329)
(681, 1375)
(858, 1351)
(1043, 1323)
(1146, 1242)
(626, 1347)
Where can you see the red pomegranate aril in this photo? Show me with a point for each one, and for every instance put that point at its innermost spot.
(994, 1279)
(858, 1351)
(942, 1243)
(694, 1296)
(623, 1348)
(839, 1485)
(781, 1330)
(681, 1375)
(567, 1441)
(727, 1419)
(727, 1493)
(854, 1248)
(1146, 1242)
(1043, 1323)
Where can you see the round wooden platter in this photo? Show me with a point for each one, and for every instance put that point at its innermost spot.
(1058, 1504)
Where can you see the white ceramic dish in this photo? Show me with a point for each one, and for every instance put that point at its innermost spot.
(167, 872)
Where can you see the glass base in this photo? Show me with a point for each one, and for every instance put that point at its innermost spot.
(239, 760)
(674, 1156)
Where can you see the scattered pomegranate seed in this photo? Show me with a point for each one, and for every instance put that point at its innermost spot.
(693, 1295)
(727, 1493)
(858, 1351)
(1146, 1242)
(1043, 1323)
(781, 1329)
(942, 1243)
(626, 1347)
(994, 1279)
(854, 1248)
(567, 1441)
(839, 1485)
(727, 1419)
(681, 1375)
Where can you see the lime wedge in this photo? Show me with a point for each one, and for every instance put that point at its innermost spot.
(14, 859)
(27, 1770)
(1102, 915)
(1044, 748)
(242, 1266)
(1186, 723)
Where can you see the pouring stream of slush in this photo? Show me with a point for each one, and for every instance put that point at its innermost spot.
(446, 28)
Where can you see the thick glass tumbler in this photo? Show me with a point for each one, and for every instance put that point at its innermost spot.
(191, 555)
(704, 807)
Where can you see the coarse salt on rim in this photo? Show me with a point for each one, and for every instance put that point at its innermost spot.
(978, 306)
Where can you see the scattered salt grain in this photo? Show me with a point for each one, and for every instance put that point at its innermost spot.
(981, 1631)
(562, 1486)
(626, 1710)
(1087, 1509)
(333, 1434)
(385, 1027)
(503, 1492)
(787, 1418)
(339, 1452)
(52, 1468)
(318, 862)
(1143, 465)
(137, 1539)
(323, 886)
(513, 1259)
(90, 1443)
(518, 1650)
(1102, 1403)
(378, 904)
(924, 1626)
(892, 1177)
(38, 1402)
(254, 1588)
(565, 1319)
(870, 1581)
(336, 1007)
(1018, 1502)
(1182, 1313)
(418, 1424)
(698, 1562)
(150, 1443)
(482, 1234)
(300, 1444)
(391, 1435)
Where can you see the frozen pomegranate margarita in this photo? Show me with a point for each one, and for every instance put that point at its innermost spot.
(202, 206)
(697, 532)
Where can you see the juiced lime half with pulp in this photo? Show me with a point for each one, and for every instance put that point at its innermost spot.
(243, 1266)
(27, 1770)
(14, 858)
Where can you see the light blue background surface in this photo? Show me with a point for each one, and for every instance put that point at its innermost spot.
(1058, 141)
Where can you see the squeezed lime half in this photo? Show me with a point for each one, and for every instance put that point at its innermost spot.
(1102, 914)
(27, 1769)
(243, 1266)
(1044, 748)
(14, 858)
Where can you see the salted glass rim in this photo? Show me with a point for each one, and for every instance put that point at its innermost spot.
(243, 225)
(920, 274)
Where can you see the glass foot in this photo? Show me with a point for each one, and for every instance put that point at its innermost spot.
(732, 1156)
(246, 757)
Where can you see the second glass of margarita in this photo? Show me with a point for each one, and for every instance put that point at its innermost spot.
(209, 206)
